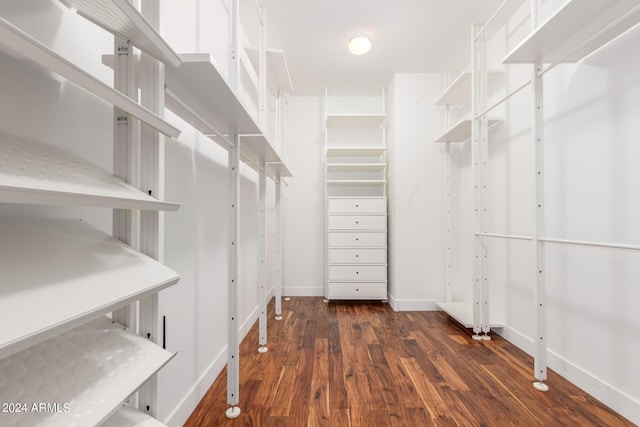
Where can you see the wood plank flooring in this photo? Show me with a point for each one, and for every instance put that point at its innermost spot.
(353, 364)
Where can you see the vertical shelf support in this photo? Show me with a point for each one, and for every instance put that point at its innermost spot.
(279, 249)
(262, 265)
(151, 181)
(233, 351)
(262, 72)
(540, 356)
(326, 197)
(448, 240)
(234, 54)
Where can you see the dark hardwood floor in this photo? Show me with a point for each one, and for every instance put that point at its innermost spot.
(362, 364)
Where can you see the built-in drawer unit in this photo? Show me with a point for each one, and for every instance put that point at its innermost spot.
(365, 273)
(357, 205)
(357, 240)
(358, 256)
(357, 222)
(364, 290)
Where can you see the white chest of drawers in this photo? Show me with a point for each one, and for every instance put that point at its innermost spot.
(357, 248)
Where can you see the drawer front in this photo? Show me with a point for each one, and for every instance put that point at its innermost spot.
(358, 290)
(341, 206)
(358, 256)
(357, 222)
(358, 240)
(364, 273)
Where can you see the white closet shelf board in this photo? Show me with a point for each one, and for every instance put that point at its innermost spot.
(198, 84)
(356, 151)
(355, 120)
(278, 170)
(131, 417)
(459, 91)
(37, 173)
(358, 166)
(461, 131)
(575, 30)
(59, 273)
(256, 149)
(122, 18)
(16, 42)
(277, 68)
(462, 312)
(360, 182)
(93, 368)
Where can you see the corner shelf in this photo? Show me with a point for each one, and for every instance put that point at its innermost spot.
(37, 173)
(120, 17)
(355, 120)
(21, 45)
(461, 131)
(575, 30)
(459, 92)
(74, 259)
(462, 312)
(93, 368)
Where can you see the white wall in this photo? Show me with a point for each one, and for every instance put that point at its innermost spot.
(416, 198)
(305, 193)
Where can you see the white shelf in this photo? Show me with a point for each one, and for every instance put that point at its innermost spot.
(37, 173)
(459, 92)
(58, 274)
(461, 131)
(22, 45)
(356, 181)
(93, 369)
(462, 312)
(122, 18)
(357, 166)
(277, 69)
(575, 30)
(356, 151)
(355, 120)
(256, 149)
(278, 170)
(198, 84)
(131, 417)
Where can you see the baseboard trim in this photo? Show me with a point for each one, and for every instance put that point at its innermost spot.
(303, 292)
(617, 400)
(412, 305)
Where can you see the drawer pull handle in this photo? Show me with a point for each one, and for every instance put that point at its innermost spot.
(357, 272)
(357, 206)
(357, 239)
(357, 256)
(357, 222)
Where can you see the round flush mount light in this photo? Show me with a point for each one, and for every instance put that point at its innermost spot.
(359, 45)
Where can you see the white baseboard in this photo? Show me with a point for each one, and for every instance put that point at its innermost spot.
(616, 399)
(303, 292)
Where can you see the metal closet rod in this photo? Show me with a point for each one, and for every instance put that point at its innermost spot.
(503, 99)
(564, 241)
(504, 236)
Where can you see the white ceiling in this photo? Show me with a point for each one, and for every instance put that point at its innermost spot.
(408, 36)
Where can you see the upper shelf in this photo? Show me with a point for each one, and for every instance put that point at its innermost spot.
(18, 43)
(355, 120)
(57, 274)
(575, 30)
(256, 149)
(355, 151)
(461, 131)
(93, 369)
(277, 69)
(459, 91)
(37, 173)
(121, 17)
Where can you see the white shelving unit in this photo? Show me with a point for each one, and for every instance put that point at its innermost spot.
(356, 204)
(61, 276)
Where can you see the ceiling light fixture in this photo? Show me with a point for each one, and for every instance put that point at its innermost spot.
(359, 45)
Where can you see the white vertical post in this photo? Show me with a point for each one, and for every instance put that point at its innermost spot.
(483, 139)
(262, 264)
(477, 193)
(234, 54)
(262, 72)
(233, 351)
(447, 203)
(126, 147)
(279, 264)
(152, 182)
(540, 356)
(326, 198)
(284, 151)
